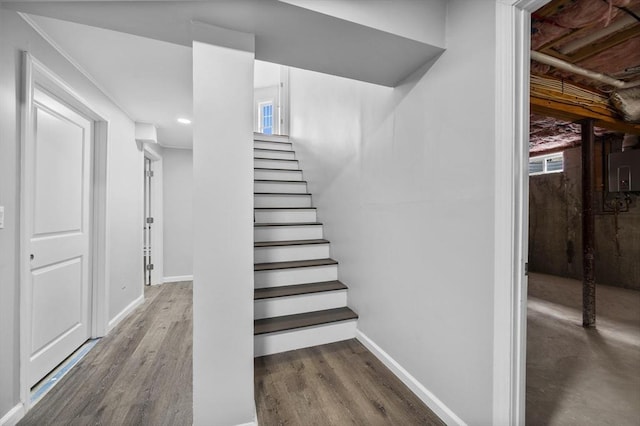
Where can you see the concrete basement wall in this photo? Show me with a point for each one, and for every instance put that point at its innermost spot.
(403, 181)
(555, 230)
(178, 212)
(125, 171)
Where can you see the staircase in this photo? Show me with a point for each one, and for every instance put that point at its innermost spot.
(298, 300)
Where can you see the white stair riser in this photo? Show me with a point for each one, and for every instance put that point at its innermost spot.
(270, 138)
(280, 146)
(281, 187)
(280, 277)
(277, 174)
(276, 164)
(276, 155)
(290, 253)
(265, 200)
(273, 343)
(279, 306)
(287, 233)
(285, 216)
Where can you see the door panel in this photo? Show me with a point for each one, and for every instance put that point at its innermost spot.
(59, 166)
(59, 152)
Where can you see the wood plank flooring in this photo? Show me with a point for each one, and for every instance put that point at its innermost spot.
(336, 384)
(140, 374)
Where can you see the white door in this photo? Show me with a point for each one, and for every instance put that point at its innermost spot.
(58, 191)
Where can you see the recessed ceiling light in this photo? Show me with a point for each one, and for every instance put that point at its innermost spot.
(184, 121)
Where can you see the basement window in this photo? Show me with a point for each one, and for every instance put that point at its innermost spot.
(552, 163)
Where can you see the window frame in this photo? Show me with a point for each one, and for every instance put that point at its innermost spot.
(545, 158)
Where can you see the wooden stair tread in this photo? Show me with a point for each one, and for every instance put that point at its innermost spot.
(284, 208)
(307, 319)
(297, 289)
(289, 243)
(280, 181)
(293, 264)
(277, 169)
(288, 224)
(273, 150)
(281, 193)
(274, 159)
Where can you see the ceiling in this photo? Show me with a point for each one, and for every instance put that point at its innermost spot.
(597, 36)
(284, 33)
(139, 52)
(150, 80)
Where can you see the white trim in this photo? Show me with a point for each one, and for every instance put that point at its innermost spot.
(102, 236)
(177, 278)
(255, 419)
(157, 208)
(13, 416)
(35, 72)
(126, 311)
(252, 423)
(283, 93)
(188, 148)
(436, 405)
(72, 61)
(512, 75)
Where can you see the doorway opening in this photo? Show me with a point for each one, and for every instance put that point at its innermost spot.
(271, 98)
(148, 222)
(62, 225)
(153, 215)
(584, 220)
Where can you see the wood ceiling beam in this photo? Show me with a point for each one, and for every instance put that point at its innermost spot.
(551, 8)
(568, 111)
(603, 44)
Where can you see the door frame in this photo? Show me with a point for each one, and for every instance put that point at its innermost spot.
(511, 221)
(157, 208)
(35, 73)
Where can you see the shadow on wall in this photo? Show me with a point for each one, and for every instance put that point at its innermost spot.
(555, 230)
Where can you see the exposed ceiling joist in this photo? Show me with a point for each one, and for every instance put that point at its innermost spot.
(594, 48)
(566, 110)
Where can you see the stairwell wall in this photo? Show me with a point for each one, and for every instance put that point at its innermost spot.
(403, 181)
(124, 186)
(178, 213)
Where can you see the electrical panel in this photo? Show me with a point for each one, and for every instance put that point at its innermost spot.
(624, 171)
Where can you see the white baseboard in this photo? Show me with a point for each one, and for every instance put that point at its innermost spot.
(13, 416)
(431, 401)
(176, 278)
(252, 423)
(126, 311)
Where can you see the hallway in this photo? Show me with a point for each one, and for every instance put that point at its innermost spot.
(578, 376)
(141, 374)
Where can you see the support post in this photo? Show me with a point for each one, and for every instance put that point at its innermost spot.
(223, 62)
(588, 226)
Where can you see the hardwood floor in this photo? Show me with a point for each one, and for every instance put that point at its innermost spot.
(141, 374)
(336, 384)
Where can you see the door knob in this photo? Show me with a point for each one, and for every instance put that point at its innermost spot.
(31, 257)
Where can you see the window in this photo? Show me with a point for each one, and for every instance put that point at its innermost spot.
(266, 118)
(552, 163)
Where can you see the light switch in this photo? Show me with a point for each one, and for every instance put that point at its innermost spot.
(1, 217)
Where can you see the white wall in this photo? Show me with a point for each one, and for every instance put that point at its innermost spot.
(223, 241)
(178, 212)
(266, 74)
(124, 192)
(403, 181)
(416, 19)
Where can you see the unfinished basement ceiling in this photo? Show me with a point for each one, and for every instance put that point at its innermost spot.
(548, 134)
(597, 37)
